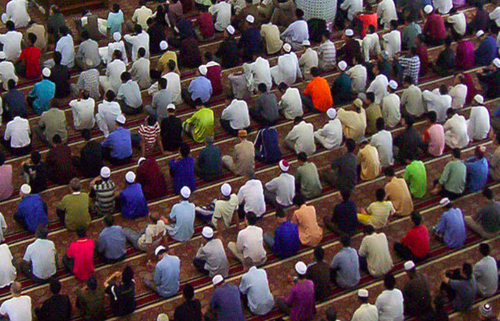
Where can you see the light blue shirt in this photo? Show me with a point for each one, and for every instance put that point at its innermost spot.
(255, 285)
(115, 21)
(43, 92)
(201, 88)
(166, 277)
(346, 263)
(451, 225)
(183, 213)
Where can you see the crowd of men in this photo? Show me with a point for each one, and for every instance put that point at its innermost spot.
(124, 69)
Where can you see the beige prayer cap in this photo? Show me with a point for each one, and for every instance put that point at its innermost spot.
(358, 103)
(162, 317)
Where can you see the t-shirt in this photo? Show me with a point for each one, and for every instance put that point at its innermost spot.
(346, 263)
(17, 308)
(82, 251)
(416, 177)
(227, 304)
(122, 298)
(417, 239)
(7, 269)
(465, 293)
(379, 213)
(149, 134)
(42, 255)
(375, 249)
(486, 274)
(301, 301)
(154, 232)
(76, 208)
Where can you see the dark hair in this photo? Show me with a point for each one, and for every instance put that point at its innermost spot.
(171, 64)
(116, 7)
(443, 90)
(370, 29)
(394, 24)
(299, 13)
(81, 232)
(110, 95)
(125, 76)
(42, 231)
(2, 158)
(370, 96)
(282, 86)
(198, 102)
(416, 218)
(32, 38)
(109, 220)
(345, 240)
(151, 120)
(302, 157)
(188, 292)
(57, 57)
(64, 30)
(118, 54)
(380, 123)
(380, 194)
(10, 25)
(92, 283)
(141, 52)
(11, 84)
(280, 212)
(56, 139)
(319, 253)
(209, 55)
(408, 79)
(456, 152)
(85, 35)
(389, 281)
(86, 134)
(345, 193)
(299, 200)
(448, 41)
(55, 286)
(127, 275)
(314, 71)
(262, 87)
(389, 171)
(138, 28)
(185, 150)
(467, 268)
(297, 119)
(331, 314)
(350, 144)
(409, 120)
(432, 116)
(484, 249)
(368, 229)
(488, 193)
(162, 82)
(251, 218)
(36, 157)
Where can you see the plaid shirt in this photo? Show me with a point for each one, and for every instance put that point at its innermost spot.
(89, 81)
(411, 67)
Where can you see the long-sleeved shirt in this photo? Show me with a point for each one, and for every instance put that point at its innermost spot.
(379, 88)
(138, 41)
(287, 70)
(291, 103)
(465, 55)
(284, 187)
(411, 67)
(301, 301)
(133, 203)
(255, 285)
(319, 91)
(214, 255)
(237, 114)
(352, 7)
(434, 27)
(486, 52)
(438, 103)
(456, 135)
(477, 173)
(182, 172)
(286, 240)
(353, 123)
(302, 137)
(478, 124)
(43, 92)
(130, 93)
(120, 143)
(297, 31)
(222, 13)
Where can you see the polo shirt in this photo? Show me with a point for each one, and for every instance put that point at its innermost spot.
(120, 143)
(112, 242)
(76, 209)
(182, 173)
(82, 251)
(166, 277)
(133, 202)
(42, 255)
(477, 173)
(286, 240)
(417, 240)
(31, 56)
(183, 213)
(32, 211)
(226, 303)
(346, 264)
(201, 88)
(416, 178)
(255, 285)
(319, 91)
(453, 176)
(345, 216)
(203, 124)
(104, 196)
(452, 227)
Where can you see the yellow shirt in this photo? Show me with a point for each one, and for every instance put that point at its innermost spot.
(398, 193)
(353, 123)
(370, 163)
(162, 65)
(310, 234)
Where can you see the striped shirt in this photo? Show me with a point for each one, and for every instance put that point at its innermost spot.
(411, 67)
(104, 196)
(326, 54)
(149, 134)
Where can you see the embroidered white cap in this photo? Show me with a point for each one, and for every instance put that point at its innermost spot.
(117, 36)
(306, 43)
(230, 29)
(479, 33)
(163, 45)
(479, 99)
(485, 310)
(45, 72)
(349, 32)
(287, 47)
(444, 201)
(3, 55)
(162, 317)
(171, 106)
(203, 70)
(105, 172)
(428, 9)
(363, 293)
(25, 189)
(225, 189)
(301, 268)
(250, 18)
(217, 279)
(185, 192)
(284, 165)
(159, 249)
(207, 232)
(120, 119)
(393, 84)
(496, 62)
(409, 265)
(342, 65)
(141, 159)
(130, 177)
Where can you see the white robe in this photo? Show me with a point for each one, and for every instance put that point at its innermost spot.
(287, 70)
(455, 132)
(478, 124)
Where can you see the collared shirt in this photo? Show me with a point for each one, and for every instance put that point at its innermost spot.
(66, 47)
(297, 31)
(255, 285)
(83, 113)
(42, 255)
(17, 12)
(379, 213)
(288, 69)
(416, 177)
(182, 173)
(477, 173)
(486, 274)
(319, 91)
(456, 135)
(392, 41)
(284, 187)
(76, 209)
(133, 202)
(478, 125)
(200, 88)
(346, 263)
(167, 274)
(214, 255)
(130, 93)
(112, 242)
(411, 100)
(237, 114)
(411, 67)
(225, 210)
(379, 87)
(104, 196)
(31, 57)
(250, 242)
(371, 45)
(120, 46)
(453, 176)
(141, 16)
(89, 50)
(310, 233)
(43, 92)
(271, 34)
(120, 143)
(331, 134)
(398, 193)
(222, 12)
(358, 75)
(203, 124)
(438, 103)
(366, 312)
(115, 21)
(183, 214)
(140, 72)
(417, 240)
(452, 228)
(161, 99)
(291, 103)
(11, 41)
(138, 41)
(252, 194)
(267, 107)
(89, 81)
(302, 136)
(18, 132)
(308, 178)
(383, 142)
(108, 111)
(390, 305)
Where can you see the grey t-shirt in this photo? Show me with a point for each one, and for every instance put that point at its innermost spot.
(486, 274)
(465, 293)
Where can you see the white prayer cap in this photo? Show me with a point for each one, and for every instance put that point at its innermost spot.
(479, 33)
(287, 47)
(306, 43)
(445, 201)
(331, 113)
(130, 177)
(163, 45)
(393, 84)
(343, 65)
(349, 32)
(225, 189)
(162, 317)
(485, 310)
(409, 265)
(284, 165)
(479, 99)
(158, 249)
(185, 192)
(120, 119)
(117, 36)
(45, 71)
(217, 279)
(301, 268)
(171, 106)
(141, 159)
(230, 29)
(25, 189)
(250, 18)
(428, 9)
(496, 62)
(3, 55)
(363, 293)
(207, 232)
(89, 62)
(203, 70)
(105, 172)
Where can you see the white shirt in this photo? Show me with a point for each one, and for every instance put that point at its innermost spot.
(366, 312)
(352, 7)
(18, 309)
(7, 269)
(478, 125)
(412, 101)
(379, 88)
(66, 47)
(438, 103)
(442, 6)
(258, 72)
(141, 16)
(251, 242)
(390, 305)
(42, 255)
(252, 193)
(237, 5)
(308, 60)
(392, 42)
(371, 45)
(458, 95)
(83, 113)
(391, 110)
(287, 70)
(284, 188)
(383, 142)
(174, 86)
(11, 41)
(302, 136)
(237, 114)
(455, 132)
(18, 131)
(332, 133)
(375, 249)
(495, 16)
(138, 41)
(459, 22)
(7, 72)
(16, 11)
(113, 46)
(291, 103)
(222, 13)
(3, 227)
(386, 12)
(114, 72)
(108, 111)
(297, 31)
(358, 75)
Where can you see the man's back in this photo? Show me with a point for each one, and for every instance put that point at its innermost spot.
(167, 275)
(17, 308)
(57, 307)
(76, 208)
(227, 304)
(490, 217)
(171, 133)
(91, 304)
(91, 159)
(308, 178)
(319, 273)
(417, 296)
(346, 262)
(190, 310)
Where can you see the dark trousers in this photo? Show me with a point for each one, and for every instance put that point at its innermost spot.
(186, 96)
(106, 153)
(127, 110)
(27, 269)
(308, 103)
(405, 253)
(69, 263)
(21, 151)
(283, 306)
(200, 266)
(225, 124)
(258, 118)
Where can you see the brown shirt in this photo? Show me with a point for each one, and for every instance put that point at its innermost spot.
(398, 193)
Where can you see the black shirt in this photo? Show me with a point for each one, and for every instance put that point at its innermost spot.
(345, 216)
(188, 311)
(58, 307)
(37, 176)
(156, 35)
(122, 298)
(91, 159)
(319, 273)
(409, 142)
(446, 62)
(228, 53)
(60, 76)
(492, 80)
(347, 171)
(189, 53)
(171, 133)
(16, 104)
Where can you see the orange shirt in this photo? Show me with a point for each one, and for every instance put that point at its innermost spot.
(310, 234)
(320, 94)
(368, 19)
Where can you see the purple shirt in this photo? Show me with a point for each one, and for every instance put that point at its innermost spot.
(5, 182)
(301, 301)
(465, 55)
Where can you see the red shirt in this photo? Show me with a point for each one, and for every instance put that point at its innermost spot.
(423, 55)
(214, 74)
(417, 240)
(82, 251)
(368, 19)
(434, 27)
(151, 178)
(31, 56)
(206, 23)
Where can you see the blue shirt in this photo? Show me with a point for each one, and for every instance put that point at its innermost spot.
(267, 146)
(346, 263)
(15, 101)
(120, 143)
(43, 92)
(346, 216)
(112, 242)
(32, 211)
(167, 275)
(486, 52)
(227, 304)
(183, 213)
(286, 240)
(255, 285)
(133, 202)
(115, 21)
(451, 225)
(251, 41)
(201, 88)
(477, 173)
(182, 172)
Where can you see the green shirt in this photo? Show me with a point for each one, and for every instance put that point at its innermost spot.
(453, 177)
(416, 177)
(203, 122)
(308, 178)
(91, 304)
(373, 112)
(76, 209)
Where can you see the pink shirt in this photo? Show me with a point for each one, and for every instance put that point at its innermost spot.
(5, 182)
(434, 136)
